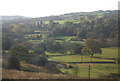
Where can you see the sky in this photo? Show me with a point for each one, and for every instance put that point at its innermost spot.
(41, 8)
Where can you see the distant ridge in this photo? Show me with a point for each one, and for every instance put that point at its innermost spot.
(12, 17)
(73, 15)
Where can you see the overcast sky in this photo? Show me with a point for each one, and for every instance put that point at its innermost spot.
(40, 8)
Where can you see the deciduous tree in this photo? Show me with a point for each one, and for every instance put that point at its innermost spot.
(92, 46)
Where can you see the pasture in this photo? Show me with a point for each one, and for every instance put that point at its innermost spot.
(57, 39)
(107, 56)
(97, 70)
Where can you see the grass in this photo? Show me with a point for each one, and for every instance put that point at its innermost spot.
(97, 70)
(109, 52)
(30, 71)
(76, 58)
(66, 39)
(48, 53)
(35, 41)
(105, 56)
(63, 21)
(15, 74)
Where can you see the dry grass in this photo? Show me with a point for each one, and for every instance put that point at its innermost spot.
(15, 74)
(36, 73)
(31, 67)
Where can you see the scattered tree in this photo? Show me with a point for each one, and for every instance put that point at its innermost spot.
(92, 46)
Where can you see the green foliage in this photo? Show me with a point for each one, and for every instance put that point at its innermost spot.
(53, 46)
(82, 32)
(18, 50)
(75, 48)
(7, 42)
(13, 63)
(86, 51)
(39, 51)
(40, 61)
(52, 68)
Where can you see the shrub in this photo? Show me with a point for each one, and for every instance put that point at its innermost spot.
(52, 68)
(13, 63)
(40, 61)
(39, 51)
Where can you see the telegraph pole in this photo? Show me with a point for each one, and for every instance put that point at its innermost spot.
(89, 72)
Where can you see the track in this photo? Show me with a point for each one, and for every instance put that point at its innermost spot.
(89, 62)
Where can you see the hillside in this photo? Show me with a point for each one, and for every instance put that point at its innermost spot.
(76, 15)
(34, 46)
(12, 17)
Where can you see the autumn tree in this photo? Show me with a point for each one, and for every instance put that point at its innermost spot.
(92, 46)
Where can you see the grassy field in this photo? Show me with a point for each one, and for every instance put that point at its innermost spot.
(63, 21)
(109, 52)
(35, 41)
(107, 55)
(66, 39)
(97, 70)
(48, 53)
(77, 58)
(57, 39)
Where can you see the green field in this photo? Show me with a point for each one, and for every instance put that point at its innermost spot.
(48, 53)
(65, 39)
(63, 21)
(109, 52)
(35, 41)
(77, 58)
(107, 55)
(97, 70)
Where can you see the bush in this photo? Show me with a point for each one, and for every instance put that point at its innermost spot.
(40, 61)
(13, 63)
(39, 51)
(52, 68)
